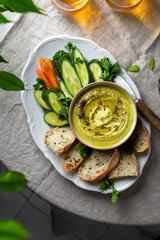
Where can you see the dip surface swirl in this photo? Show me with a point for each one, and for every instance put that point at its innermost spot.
(102, 116)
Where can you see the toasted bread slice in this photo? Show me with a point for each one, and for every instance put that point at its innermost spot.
(140, 137)
(71, 158)
(98, 164)
(59, 139)
(128, 166)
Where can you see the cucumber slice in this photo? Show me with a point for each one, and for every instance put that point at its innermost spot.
(51, 99)
(52, 118)
(81, 68)
(70, 77)
(64, 89)
(38, 97)
(96, 70)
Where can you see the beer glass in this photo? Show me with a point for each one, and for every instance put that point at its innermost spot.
(70, 5)
(123, 5)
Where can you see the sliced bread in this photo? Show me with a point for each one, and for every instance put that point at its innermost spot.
(140, 137)
(59, 139)
(71, 158)
(98, 164)
(127, 166)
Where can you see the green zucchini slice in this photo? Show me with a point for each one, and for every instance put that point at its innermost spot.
(96, 70)
(51, 99)
(81, 67)
(64, 89)
(38, 97)
(70, 77)
(52, 118)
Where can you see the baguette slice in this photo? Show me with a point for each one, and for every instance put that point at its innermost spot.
(71, 158)
(140, 137)
(59, 139)
(128, 166)
(98, 164)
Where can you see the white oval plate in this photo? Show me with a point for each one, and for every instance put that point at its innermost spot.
(35, 112)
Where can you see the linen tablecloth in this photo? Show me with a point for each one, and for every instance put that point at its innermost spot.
(132, 38)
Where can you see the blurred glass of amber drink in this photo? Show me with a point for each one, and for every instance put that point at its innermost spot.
(123, 5)
(70, 5)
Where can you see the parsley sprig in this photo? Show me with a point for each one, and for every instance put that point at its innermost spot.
(84, 150)
(106, 183)
(109, 70)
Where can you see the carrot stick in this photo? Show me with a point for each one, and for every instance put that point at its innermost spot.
(43, 77)
(50, 74)
(41, 61)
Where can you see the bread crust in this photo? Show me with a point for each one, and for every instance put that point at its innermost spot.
(65, 147)
(114, 174)
(110, 165)
(140, 131)
(75, 162)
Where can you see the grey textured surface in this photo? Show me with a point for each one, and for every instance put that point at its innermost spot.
(132, 39)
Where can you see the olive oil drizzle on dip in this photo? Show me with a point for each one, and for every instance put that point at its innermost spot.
(103, 116)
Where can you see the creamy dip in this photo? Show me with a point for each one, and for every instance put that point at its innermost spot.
(102, 116)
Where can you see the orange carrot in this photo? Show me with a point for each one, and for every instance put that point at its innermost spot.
(50, 74)
(41, 61)
(43, 77)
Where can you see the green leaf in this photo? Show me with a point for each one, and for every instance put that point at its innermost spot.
(39, 85)
(115, 196)
(12, 181)
(128, 147)
(3, 60)
(21, 6)
(60, 96)
(55, 89)
(114, 68)
(151, 63)
(79, 60)
(12, 230)
(104, 75)
(4, 8)
(84, 150)
(105, 63)
(105, 183)
(3, 19)
(10, 82)
(69, 46)
(134, 68)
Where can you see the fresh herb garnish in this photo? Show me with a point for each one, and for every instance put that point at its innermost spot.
(105, 63)
(104, 75)
(54, 89)
(65, 105)
(109, 70)
(128, 147)
(105, 183)
(151, 63)
(79, 60)
(70, 48)
(114, 68)
(39, 85)
(134, 68)
(84, 150)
